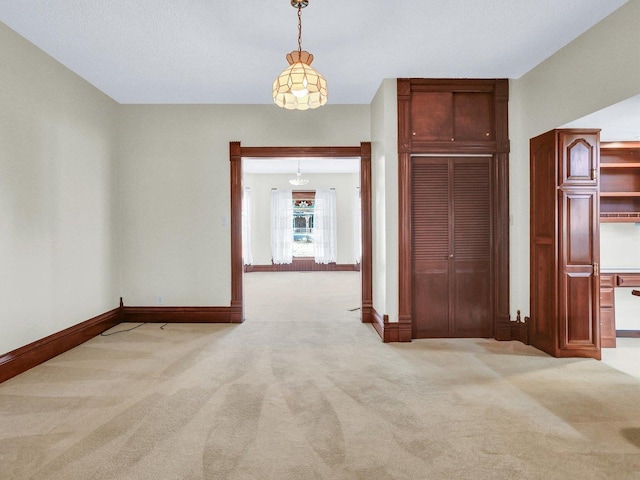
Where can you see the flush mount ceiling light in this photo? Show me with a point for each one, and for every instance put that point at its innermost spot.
(299, 181)
(299, 86)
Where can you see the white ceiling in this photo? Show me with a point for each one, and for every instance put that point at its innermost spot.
(226, 52)
(229, 52)
(619, 122)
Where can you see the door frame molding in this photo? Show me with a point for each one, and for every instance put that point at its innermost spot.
(499, 149)
(237, 152)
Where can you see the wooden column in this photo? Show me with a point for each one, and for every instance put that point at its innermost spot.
(237, 312)
(404, 207)
(366, 261)
(503, 325)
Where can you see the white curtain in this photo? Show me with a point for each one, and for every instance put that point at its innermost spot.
(246, 227)
(357, 226)
(281, 226)
(325, 227)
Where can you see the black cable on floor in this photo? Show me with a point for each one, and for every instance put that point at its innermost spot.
(120, 331)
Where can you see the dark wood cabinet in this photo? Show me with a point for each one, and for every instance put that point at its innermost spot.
(452, 116)
(565, 251)
(620, 182)
(451, 247)
(607, 311)
(453, 176)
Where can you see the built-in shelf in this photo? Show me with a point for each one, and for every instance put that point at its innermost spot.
(620, 165)
(620, 182)
(621, 217)
(619, 194)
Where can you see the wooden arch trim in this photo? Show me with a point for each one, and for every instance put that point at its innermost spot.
(238, 152)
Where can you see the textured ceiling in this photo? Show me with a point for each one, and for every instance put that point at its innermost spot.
(618, 122)
(229, 52)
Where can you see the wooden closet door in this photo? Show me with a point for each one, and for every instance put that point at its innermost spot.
(579, 282)
(471, 261)
(451, 247)
(431, 247)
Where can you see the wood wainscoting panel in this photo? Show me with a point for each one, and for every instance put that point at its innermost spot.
(520, 330)
(28, 356)
(178, 314)
(390, 331)
(303, 265)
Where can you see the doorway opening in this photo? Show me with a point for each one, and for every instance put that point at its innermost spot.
(239, 155)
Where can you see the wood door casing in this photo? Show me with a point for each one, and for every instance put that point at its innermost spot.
(237, 152)
(451, 247)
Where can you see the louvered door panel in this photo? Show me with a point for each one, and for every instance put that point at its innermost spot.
(430, 231)
(471, 247)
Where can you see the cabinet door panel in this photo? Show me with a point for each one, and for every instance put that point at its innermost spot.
(432, 116)
(607, 327)
(473, 117)
(543, 299)
(579, 311)
(579, 157)
(580, 287)
(579, 210)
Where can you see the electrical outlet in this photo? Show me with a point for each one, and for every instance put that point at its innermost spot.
(159, 300)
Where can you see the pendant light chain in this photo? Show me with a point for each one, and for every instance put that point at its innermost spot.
(299, 86)
(299, 28)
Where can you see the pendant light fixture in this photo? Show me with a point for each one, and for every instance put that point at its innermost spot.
(299, 181)
(299, 86)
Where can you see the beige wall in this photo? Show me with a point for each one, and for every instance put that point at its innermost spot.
(384, 166)
(345, 185)
(619, 250)
(620, 245)
(174, 189)
(57, 205)
(598, 69)
(65, 255)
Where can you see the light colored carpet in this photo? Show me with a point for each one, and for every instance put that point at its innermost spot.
(313, 394)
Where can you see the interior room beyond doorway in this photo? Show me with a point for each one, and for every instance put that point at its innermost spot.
(339, 157)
